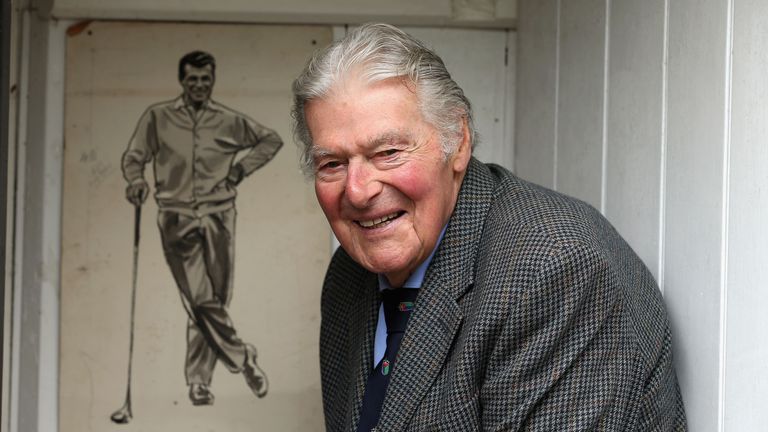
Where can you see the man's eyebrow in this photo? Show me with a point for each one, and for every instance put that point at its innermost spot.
(383, 139)
(389, 138)
(318, 153)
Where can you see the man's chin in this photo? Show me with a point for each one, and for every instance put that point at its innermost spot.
(391, 266)
(380, 255)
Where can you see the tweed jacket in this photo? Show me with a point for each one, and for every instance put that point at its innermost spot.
(534, 314)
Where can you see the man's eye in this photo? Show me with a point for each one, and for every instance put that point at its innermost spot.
(330, 165)
(389, 152)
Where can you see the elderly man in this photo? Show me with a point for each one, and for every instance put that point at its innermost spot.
(194, 143)
(463, 298)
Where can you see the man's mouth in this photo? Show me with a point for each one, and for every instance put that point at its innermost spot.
(379, 222)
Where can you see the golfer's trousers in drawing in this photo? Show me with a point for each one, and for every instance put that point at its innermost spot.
(199, 248)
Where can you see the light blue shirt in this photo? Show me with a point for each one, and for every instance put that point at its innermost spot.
(414, 281)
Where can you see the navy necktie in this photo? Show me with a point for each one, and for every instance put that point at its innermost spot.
(398, 304)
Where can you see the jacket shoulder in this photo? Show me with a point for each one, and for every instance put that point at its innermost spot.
(341, 268)
(157, 108)
(342, 271)
(540, 226)
(561, 218)
(163, 105)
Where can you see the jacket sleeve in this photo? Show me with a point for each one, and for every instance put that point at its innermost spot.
(264, 144)
(141, 148)
(571, 356)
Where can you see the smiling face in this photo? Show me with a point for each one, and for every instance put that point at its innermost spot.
(380, 174)
(197, 84)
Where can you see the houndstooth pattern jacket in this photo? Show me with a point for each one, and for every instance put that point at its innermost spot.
(534, 315)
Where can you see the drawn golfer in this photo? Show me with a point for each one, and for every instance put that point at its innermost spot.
(193, 143)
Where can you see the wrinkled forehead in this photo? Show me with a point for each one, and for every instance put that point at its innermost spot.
(354, 101)
(352, 89)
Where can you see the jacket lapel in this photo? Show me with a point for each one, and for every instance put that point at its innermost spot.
(437, 317)
(364, 314)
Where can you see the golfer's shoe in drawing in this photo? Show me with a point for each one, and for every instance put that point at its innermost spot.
(254, 376)
(200, 394)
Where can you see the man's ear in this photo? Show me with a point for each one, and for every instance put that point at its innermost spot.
(460, 158)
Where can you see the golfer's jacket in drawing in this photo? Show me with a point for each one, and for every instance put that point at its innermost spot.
(534, 315)
(194, 155)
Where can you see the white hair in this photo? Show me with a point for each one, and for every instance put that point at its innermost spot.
(376, 52)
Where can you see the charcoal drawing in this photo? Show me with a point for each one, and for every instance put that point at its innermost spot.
(200, 151)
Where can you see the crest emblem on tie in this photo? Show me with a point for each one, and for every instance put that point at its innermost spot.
(405, 306)
(385, 367)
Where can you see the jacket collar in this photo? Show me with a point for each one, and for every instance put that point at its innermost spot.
(364, 313)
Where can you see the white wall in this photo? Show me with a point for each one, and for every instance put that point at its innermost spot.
(695, 205)
(745, 386)
(654, 111)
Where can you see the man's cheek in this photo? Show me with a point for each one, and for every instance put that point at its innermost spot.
(413, 182)
(328, 199)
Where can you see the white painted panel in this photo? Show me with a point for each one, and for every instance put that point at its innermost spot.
(579, 152)
(475, 60)
(746, 385)
(536, 90)
(694, 202)
(634, 131)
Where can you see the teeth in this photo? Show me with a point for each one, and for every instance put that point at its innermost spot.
(377, 221)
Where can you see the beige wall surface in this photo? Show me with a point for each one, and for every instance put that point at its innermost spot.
(114, 72)
(475, 13)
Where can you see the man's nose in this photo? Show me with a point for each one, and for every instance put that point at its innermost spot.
(362, 185)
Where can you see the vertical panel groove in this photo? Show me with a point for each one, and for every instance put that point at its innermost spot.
(606, 72)
(508, 132)
(557, 94)
(19, 205)
(725, 215)
(663, 158)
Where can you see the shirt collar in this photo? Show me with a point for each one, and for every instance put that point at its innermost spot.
(180, 103)
(417, 277)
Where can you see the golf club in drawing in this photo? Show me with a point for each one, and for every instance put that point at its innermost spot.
(124, 414)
